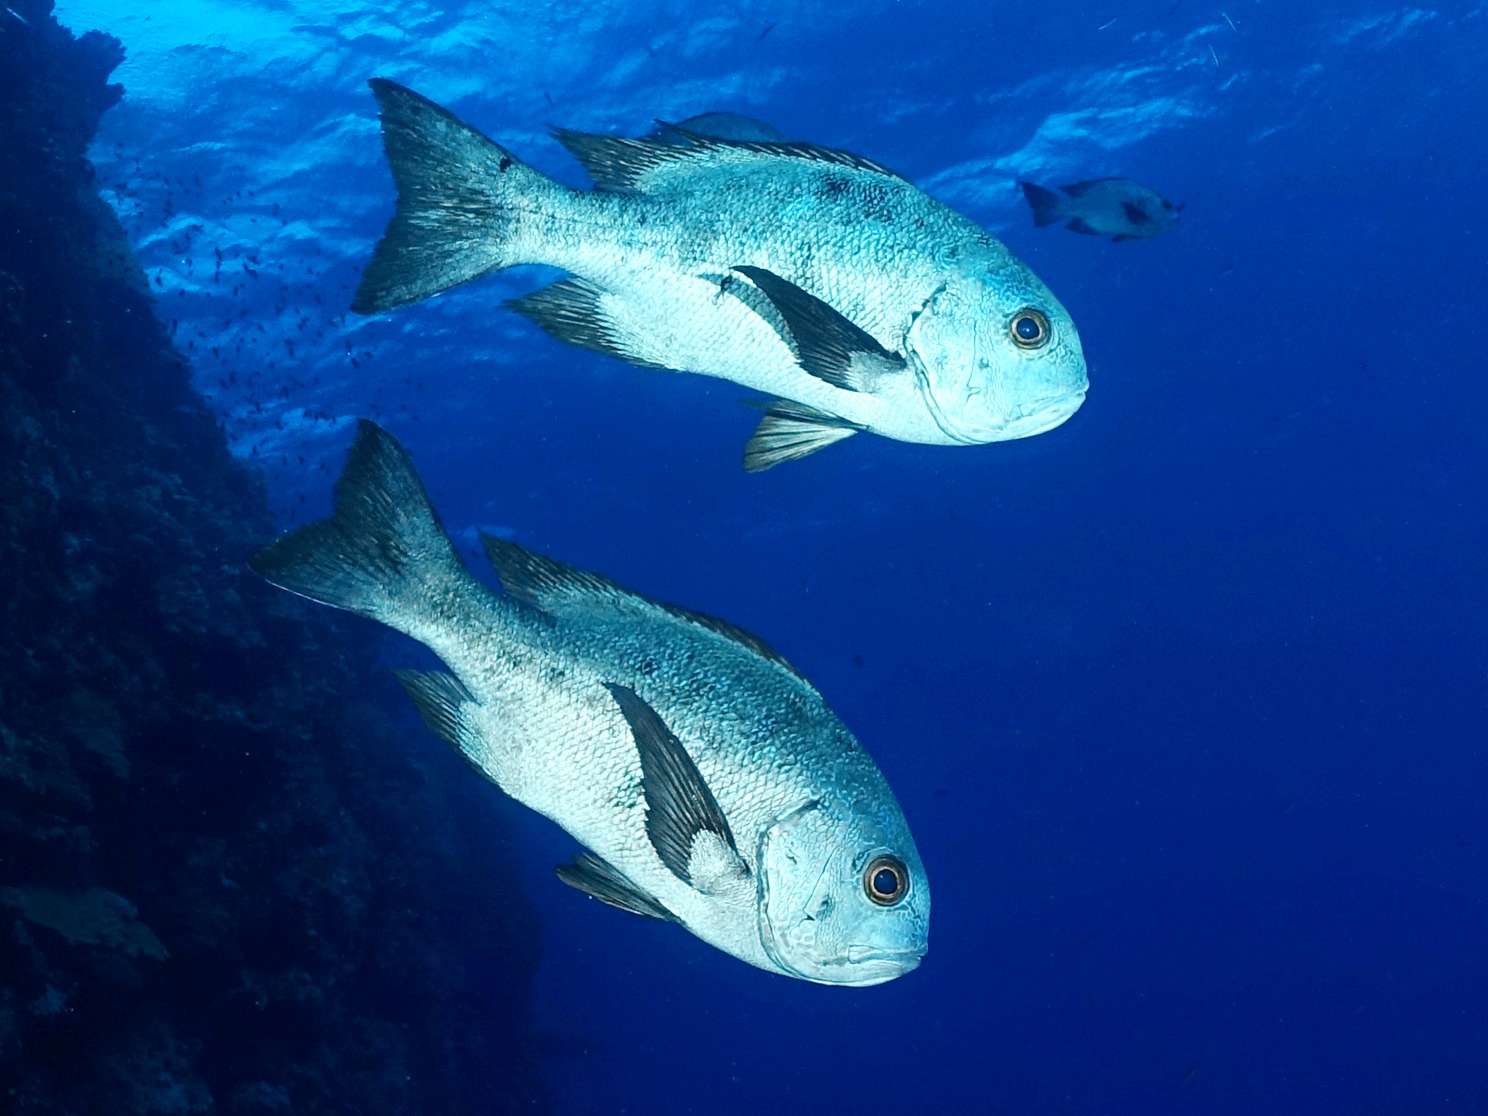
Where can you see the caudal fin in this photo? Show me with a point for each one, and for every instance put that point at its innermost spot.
(383, 553)
(1046, 204)
(456, 217)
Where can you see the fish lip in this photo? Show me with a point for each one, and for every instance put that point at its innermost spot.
(1039, 419)
(872, 966)
(909, 958)
(1052, 413)
(860, 967)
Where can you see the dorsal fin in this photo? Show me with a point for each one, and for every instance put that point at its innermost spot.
(560, 589)
(735, 633)
(543, 582)
(619, 163)
(616, 162)
(789, 149)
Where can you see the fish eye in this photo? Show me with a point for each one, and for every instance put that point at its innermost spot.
(886, 880)
(1029, 328)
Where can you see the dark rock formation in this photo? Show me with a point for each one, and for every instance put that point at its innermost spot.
(224, 884)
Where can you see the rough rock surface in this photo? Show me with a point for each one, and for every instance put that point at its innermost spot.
(225, 883)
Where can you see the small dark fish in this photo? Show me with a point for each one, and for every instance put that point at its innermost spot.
(1114, 207)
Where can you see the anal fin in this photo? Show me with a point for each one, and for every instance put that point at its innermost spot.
(438, 696)
(790, 431)
(601, 880)
(573, 310)
(448, 709)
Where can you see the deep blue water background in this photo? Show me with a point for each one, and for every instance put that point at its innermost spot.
(1186, 701)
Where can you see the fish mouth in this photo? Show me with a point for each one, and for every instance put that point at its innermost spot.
(1034, 418)
(862, 967)
(1042, 418)
(865, 966)
(905, 959)
(859, 967)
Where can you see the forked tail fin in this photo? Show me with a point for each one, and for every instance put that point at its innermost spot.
(382, 554)
(458, 195)
(1047, 206)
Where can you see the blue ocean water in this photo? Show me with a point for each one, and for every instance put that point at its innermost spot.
(1186, 701)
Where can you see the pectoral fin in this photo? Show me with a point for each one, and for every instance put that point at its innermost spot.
(603, 881)
(1135, 214)
(679, 806)
(790, 431)
(1080, 225)
(828, 346)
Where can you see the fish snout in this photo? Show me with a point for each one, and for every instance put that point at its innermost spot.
(868, 965)
(905, 959)
(1043, 415)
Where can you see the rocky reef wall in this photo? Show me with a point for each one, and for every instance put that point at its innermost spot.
(225, 884)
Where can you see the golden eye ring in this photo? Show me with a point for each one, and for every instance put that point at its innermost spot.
(1029, 328)
(886, 880)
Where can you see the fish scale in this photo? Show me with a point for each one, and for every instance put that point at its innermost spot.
(660, 286)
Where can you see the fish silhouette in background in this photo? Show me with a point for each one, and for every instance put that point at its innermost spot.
(1116, 207)
(718, 125)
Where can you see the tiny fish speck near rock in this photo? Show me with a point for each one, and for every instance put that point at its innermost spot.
(707, 779)
(854, 300)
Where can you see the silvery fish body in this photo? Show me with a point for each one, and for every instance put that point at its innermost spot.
(709, 781)
(810, 274)
(1120, 208)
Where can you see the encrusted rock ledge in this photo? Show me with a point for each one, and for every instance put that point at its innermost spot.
(224, 884)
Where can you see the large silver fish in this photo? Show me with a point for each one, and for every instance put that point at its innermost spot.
(834, 285)
(709, 781)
